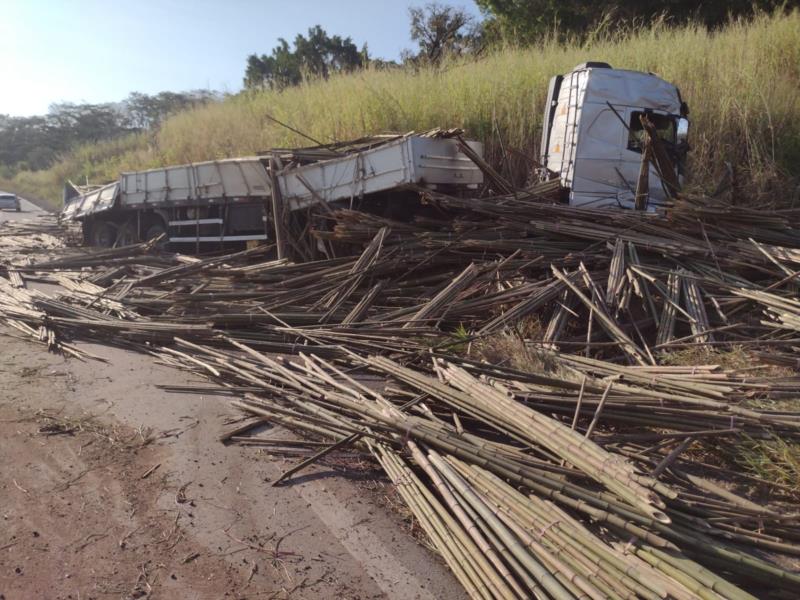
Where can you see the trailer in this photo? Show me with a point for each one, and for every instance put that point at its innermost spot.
(237, 200)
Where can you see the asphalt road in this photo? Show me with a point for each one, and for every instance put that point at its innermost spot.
(29, 209)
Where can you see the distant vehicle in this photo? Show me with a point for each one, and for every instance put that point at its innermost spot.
(9, 201)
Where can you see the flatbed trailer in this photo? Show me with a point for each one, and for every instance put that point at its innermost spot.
(236, 199)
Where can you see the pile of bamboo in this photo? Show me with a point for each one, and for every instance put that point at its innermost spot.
(583, 475)
(523, 503)
(45, 232)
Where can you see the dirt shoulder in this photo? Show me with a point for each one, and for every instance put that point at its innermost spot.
(113, 488)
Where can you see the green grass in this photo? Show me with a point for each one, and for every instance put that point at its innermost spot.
(773, 460)
(741, 84)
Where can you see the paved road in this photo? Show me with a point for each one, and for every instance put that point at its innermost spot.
(29, 209)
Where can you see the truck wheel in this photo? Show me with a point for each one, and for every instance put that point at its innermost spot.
(104, 234)
(155, 230)
(126, 235)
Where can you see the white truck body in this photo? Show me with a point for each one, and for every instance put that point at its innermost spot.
(206, 181)
(592, 140)
(407, 160)
(590, 127)
(232, 196)
(94, 202)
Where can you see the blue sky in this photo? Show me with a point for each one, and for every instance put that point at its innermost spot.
(99, 51)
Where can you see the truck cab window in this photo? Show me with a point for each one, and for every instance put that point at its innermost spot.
(665, 126)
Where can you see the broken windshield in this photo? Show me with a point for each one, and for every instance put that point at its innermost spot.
(664, 124)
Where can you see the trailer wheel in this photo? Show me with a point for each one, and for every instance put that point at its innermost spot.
(104, 234)
(126, 235)
(154, 230)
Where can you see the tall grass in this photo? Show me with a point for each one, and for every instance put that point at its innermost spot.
(742, 84)
(94, 163)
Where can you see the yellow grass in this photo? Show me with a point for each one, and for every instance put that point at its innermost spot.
(741, 84)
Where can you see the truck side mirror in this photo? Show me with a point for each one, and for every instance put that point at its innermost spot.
(682, 131)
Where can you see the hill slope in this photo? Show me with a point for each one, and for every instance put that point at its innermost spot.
(741, 84)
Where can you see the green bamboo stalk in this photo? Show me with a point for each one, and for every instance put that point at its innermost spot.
(545, 579)
(505, 584)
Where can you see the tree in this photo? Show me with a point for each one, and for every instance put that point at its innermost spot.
(318, 55)
(143, 111)
(441, 30)
(526, 21)
(27, 141)
(81, 123)
(35, 142)
(279, 70)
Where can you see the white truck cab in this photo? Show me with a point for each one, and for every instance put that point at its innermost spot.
(592, 134)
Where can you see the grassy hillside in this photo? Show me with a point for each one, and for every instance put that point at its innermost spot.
(741, 84)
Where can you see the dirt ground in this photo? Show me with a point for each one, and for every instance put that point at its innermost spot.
(113, 488)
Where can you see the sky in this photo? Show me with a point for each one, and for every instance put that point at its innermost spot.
(99, 51)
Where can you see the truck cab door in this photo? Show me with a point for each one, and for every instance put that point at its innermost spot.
(595, 180)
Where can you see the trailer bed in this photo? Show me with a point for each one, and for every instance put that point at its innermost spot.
(405, 160)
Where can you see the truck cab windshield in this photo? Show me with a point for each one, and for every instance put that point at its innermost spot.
(665, 126)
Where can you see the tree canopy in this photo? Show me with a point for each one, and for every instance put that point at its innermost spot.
(525, 21)
(35, 142)
(441, 30)
(315, 55)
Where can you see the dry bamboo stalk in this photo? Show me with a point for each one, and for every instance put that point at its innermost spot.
(333, 313)
(506, 586)
(608, 323)
(465, 278)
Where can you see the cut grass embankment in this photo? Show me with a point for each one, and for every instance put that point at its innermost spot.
(740, 82)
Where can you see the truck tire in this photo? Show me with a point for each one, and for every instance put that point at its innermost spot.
(126, 235)
(154, 230)
(103, 234)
